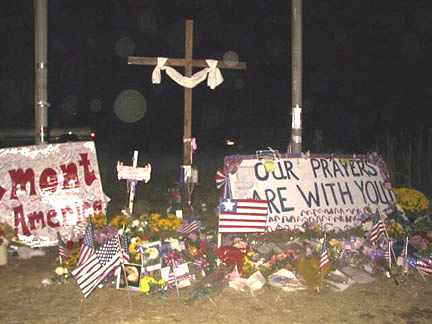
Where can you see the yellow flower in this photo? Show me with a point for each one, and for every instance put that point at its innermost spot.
(411, 200)
(147, 282)
(99, 220)
(135, 242)
(119, 221)
(154, 217)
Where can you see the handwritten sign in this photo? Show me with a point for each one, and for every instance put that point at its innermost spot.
(134, 173)
(52, 185)
(326, 190)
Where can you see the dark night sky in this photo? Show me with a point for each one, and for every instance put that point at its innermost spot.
(366, 69)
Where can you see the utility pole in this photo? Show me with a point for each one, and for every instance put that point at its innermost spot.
(41, 71)
(296, 75)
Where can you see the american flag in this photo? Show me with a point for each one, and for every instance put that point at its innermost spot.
(173, 280)
(376, 231)
(187, 228)
(87, 249)
(243, 216)
(106, 259)
(63, 254)
(424, 266)
(124, 243)
(324, 257)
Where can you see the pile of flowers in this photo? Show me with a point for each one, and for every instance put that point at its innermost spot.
(412, 202)
(154, 242)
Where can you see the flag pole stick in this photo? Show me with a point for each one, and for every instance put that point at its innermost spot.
(390, 247)
(175, 278)
(133, 184)
(122, 267)
(387, 236)
(406, 256)
(390, 255)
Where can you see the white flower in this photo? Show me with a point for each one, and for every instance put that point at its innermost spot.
(59, 271)
(135, 223)
(152, 253)
(175, 244)
(45, 282)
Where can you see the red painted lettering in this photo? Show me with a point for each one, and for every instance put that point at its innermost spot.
(48, 180)
(21, 178)
(89, 174)
(51, 218)
(70, 174)
(36, 217)
(20, 220)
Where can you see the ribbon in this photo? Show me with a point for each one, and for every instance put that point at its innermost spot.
(212, 73)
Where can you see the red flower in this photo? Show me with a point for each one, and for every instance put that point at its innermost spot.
(231, 256)
(69, 244)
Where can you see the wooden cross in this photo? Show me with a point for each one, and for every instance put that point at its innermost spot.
(188, 62)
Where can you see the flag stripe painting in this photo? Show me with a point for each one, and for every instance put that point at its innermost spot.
(240, 217)
(243, 216)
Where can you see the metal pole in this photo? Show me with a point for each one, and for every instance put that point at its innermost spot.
(296, 85)
(41, 70)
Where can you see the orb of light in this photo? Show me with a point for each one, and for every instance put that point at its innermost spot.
(130, 106)
(96, 105)
(230, 58)
(70, 104)
(125, 46)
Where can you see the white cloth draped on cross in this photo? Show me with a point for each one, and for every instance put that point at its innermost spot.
(212, 73)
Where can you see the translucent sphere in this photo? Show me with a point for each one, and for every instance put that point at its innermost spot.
(125, 46)
(130, 106)
(230, 58)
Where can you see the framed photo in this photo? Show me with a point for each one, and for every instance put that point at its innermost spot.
(128, 276)
(151, 256)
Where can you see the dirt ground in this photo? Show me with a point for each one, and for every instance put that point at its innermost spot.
(23, 299)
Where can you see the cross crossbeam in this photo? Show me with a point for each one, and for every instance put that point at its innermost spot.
(188, 63)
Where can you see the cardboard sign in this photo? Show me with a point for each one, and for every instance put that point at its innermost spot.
(326, 190)
(134, 173)
(52, 185)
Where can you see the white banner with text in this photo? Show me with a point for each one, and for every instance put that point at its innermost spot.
(326, 190)
(49, 186)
